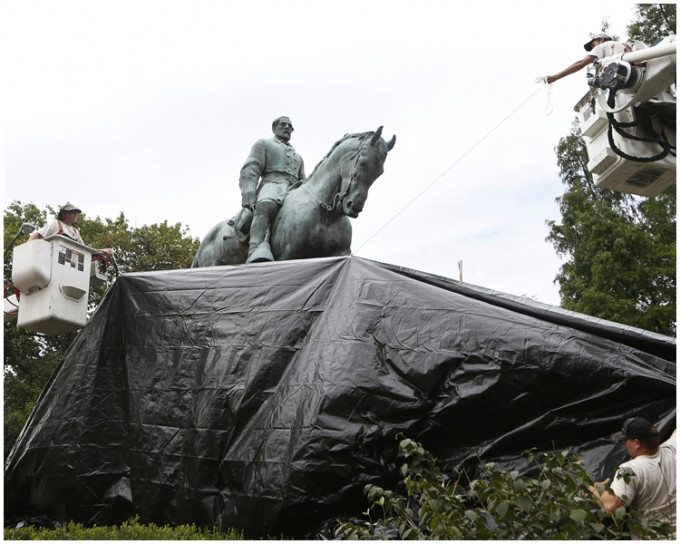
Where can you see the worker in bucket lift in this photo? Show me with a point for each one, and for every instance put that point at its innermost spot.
(64, 226)
(599, 47)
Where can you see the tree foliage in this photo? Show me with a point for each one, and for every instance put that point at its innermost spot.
(556, 504)
(652, 22)
(30, 358)
(619, 249)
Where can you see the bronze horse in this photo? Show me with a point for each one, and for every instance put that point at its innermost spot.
(313, 220)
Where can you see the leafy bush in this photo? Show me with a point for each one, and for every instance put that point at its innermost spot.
(129, 530)
(557, 504)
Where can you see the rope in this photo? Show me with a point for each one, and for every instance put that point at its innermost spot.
(548, 91)
(472, 148)
(327, 207)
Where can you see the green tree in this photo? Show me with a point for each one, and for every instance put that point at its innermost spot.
(555, 503)
(30, 358)
(620, 249)
(652, 22)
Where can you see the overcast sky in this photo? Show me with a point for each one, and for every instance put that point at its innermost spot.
(150, 108)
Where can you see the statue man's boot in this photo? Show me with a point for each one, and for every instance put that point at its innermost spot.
(258, 248)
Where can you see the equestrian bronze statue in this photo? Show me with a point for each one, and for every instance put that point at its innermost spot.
(313, 220)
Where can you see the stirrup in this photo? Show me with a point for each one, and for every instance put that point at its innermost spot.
(261, 254)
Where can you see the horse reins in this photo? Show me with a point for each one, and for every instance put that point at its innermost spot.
(337, 199)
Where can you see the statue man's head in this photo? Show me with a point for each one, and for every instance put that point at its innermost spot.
(283, 128)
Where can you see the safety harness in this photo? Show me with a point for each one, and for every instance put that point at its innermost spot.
(62, 233)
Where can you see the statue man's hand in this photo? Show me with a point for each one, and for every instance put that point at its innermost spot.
(248, 200)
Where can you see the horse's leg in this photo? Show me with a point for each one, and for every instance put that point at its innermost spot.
(337, 238)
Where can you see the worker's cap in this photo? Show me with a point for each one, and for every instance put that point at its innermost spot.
(589, 44)
(68, 207)
(636, 427)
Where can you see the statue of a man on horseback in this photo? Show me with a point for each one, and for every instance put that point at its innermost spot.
(271, 169)
(305, 217)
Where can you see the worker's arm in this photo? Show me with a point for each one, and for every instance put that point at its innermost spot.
(607, 500)
(35, 236)
(578, 65)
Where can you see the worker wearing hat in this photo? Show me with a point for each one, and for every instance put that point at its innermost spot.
(599, 46)
(646, 483)
(600, 38)
(63, 224)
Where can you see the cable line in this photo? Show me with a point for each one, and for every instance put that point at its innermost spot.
(472, 148)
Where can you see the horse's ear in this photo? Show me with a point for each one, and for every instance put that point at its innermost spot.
(391, 143)
(376, 136)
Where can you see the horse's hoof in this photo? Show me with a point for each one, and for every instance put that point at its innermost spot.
(262, 254)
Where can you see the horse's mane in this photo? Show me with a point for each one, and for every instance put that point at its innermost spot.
(361, 136)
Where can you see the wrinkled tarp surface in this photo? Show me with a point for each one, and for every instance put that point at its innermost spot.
(267, 395)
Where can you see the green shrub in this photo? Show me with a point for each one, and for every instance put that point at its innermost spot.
(129, 530)
(557, 504)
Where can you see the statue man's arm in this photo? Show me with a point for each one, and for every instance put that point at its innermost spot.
(251, 172)
(301, 172)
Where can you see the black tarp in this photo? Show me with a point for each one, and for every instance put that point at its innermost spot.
(265, 396)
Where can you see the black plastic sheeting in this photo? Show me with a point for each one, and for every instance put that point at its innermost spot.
(265, 396)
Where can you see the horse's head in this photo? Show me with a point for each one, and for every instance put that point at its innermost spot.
(364, 168)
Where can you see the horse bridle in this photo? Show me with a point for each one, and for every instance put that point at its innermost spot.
(337, 199)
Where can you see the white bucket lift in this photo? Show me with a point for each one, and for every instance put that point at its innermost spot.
(53, 276)
(628, 121)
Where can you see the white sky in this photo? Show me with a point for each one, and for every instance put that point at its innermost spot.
(151, 107)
